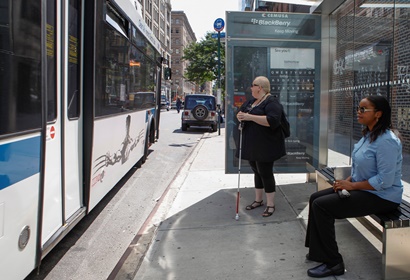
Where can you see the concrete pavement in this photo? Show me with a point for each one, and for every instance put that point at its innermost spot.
(194, 234)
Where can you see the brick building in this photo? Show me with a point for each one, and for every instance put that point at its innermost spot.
(157, 15)
(181, 36)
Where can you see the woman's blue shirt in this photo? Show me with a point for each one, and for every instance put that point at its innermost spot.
(380, 163)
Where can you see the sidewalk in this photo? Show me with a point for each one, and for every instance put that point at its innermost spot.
(197, 236)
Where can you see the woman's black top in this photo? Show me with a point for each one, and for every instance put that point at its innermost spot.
(263, 143)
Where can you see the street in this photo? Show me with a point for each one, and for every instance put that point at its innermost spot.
(94, 248)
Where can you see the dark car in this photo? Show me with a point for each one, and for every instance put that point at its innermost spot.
(199, 110)
(165, 103)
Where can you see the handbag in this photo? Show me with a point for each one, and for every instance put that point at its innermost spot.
(284, 123)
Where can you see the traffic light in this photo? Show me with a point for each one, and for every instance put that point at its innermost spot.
(167, 73)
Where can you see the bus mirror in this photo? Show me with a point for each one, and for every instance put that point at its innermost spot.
(167, 73)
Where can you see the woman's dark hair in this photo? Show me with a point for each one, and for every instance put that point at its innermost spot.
(380, 104)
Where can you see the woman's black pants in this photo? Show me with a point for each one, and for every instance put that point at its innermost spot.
(324, 207)
(264, 178)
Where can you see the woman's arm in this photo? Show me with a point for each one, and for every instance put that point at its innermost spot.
(261, 120)
(349, 186)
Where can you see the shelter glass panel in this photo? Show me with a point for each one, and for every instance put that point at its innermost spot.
(370, 55)
(285, 48)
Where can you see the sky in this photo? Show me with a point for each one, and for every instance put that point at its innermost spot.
(201, 14)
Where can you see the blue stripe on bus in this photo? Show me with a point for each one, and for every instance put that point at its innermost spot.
(18, 161)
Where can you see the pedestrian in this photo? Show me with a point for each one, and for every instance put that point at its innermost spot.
(263, 141)
(375, 186)
(178, 104)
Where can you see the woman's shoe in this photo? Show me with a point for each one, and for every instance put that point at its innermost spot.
(324, 270)
(268, 213)
(254, 205)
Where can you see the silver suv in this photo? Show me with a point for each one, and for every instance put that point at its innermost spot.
(199, 110)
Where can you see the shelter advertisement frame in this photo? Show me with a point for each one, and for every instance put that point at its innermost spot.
(286, 49)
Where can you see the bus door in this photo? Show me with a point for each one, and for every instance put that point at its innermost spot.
(71, 110)
(62, 193)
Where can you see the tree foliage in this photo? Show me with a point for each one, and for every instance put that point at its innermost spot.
(202, 58)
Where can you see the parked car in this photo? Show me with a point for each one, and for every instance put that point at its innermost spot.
(199, 110)
(165, 103)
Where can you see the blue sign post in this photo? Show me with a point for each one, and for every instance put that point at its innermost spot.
(215, 35)
(219, 25)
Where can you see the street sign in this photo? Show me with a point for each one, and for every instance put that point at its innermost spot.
(219, 25)
(215, 35)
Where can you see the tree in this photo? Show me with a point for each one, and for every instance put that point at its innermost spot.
(202, 58)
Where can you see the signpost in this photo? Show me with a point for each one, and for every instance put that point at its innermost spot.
(219, 25)
(215, 35)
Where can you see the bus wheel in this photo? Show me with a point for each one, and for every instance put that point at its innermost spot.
(147, 144)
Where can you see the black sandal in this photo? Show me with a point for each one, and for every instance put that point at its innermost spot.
(266, 213)
(258, 204)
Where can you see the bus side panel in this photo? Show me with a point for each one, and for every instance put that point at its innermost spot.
(118, 144)
(73, 168)
(19, 190)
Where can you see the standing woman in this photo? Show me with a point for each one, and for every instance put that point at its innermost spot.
(375, 186)
(263, 141)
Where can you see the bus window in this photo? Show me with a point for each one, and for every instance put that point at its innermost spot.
(20, 102)
(142, 100)
(73, 71)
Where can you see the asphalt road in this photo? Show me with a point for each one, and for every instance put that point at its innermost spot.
(102, 245)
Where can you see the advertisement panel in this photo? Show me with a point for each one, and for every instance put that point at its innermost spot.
(286, 49)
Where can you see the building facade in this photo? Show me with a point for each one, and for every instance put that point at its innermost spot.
(182, 35)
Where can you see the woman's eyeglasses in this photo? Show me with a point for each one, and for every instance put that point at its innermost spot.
(364, 110)
(254, 85)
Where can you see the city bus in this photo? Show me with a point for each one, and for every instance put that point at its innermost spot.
(79, 97)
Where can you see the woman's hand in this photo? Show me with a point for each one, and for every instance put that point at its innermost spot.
(241, 116)
(348, 185)
(261, 120)
(339, 185)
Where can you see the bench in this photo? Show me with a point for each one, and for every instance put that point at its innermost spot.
(394, 232)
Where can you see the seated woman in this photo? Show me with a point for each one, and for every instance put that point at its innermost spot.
(374, 185)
